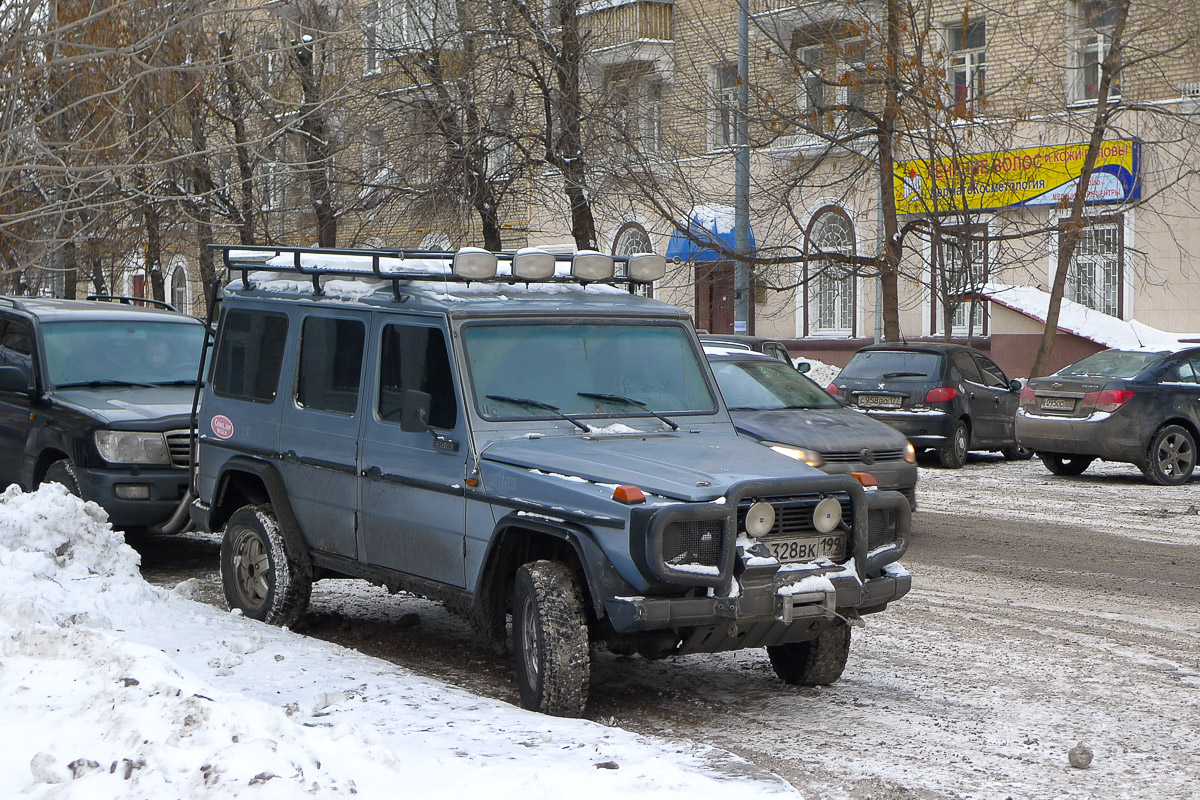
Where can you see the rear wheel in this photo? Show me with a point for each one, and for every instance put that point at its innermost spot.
(1062, 464)
(551, 653)
(1171, 458)
(813, 663)
(260, 572)
(954, 454)
(1016, 453)
(63, 472)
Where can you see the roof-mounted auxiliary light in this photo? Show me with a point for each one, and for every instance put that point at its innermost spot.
(532, 264)
(474, 264)
(589, 265)
(646, 267)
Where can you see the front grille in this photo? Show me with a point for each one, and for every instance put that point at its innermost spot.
(794, 515)
(857, 455)
(881, 527)
(695, 542)
(179, 444)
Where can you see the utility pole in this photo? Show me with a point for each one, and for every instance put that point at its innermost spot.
(741, 204)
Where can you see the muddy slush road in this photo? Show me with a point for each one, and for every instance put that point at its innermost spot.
(1044, 611)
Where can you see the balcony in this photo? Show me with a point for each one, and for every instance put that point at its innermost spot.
(625, 31)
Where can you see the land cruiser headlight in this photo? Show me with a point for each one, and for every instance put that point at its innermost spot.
(132, 447)
(810, 457)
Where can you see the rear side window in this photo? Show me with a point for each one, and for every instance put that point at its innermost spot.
(331, 355)
(415, 357)
(893, 364)
(966, 366)
(16, 345)
(250, 356)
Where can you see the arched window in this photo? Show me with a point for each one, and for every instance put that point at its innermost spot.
(178, 291)
(632, 238)
(830, 282)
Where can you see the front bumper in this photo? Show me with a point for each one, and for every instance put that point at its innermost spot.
(166, 487)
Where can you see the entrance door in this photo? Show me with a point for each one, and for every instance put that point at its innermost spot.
(716, 305)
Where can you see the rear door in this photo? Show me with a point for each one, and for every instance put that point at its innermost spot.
(412, 503)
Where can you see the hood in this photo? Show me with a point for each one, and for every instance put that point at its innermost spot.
(119, 405)
(826, 430)
(692, 467)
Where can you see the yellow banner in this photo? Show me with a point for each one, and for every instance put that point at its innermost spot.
(1030, 176)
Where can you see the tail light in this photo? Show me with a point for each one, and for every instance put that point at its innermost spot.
(1028, 398)
(1107, 400)
(832, 389)
(942, 394)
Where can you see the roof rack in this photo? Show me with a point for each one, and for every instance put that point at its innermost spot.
(128, 301)
(468, 265)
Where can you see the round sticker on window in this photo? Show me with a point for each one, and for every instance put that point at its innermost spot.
(222, 426)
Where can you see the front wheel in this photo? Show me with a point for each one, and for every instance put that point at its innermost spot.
(63, 472)
(260, 572)
(1061, 464)
(813, 663)
(954, 454)
(1171, 458)
(551, 653)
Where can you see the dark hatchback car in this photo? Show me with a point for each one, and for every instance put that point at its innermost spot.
(98, 397)
(1118, 405)
(948, 397)
(792, 415)
(734, 341)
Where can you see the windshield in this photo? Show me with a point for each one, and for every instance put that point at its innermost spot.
(1112, 364)
(121, 352)
(654, 365)
(764, 385)
(893, 364)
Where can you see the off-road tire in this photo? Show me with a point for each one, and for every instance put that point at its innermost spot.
(813, 663)
(1016, 453)
(1171, 457)
(63, 471)
(1066, 464)
(260, 573)
(551, 653)
(954, 454)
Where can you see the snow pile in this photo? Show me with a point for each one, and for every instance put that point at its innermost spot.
(113, 688)
(1082, 321)
(819, 371)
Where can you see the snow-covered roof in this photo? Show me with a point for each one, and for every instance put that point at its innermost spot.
(1087, 322)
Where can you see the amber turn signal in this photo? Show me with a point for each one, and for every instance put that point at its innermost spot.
(628, 495)
(865, 478)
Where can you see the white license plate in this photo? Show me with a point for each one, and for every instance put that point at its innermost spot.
(1057, 403)
(808, 548)
(878, 401)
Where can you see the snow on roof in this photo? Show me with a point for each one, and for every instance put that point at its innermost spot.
(715, 217)
(1086, 322)
(114, 688)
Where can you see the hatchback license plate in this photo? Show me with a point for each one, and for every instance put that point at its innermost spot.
(808, 548)
(1057, 404)
(878, 401)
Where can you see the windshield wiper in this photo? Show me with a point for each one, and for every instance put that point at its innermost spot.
(887, 375)
(618, 398)
(104, 382)
(179, 382)
(525, 401)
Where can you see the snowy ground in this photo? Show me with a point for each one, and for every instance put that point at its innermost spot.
(114, 688)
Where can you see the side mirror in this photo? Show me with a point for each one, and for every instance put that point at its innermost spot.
(1015, 386)
(803, 367)
(414, 411)
(15, 379)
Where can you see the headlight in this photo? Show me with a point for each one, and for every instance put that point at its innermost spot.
(760, 519)
(810, 457)
(132, 447)
(827, 515)
(910, 453)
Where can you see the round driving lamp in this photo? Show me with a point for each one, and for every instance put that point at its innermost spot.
(760, 519)
(827, 515)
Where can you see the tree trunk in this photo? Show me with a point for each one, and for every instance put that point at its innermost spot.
(889, 267)
(316, 145)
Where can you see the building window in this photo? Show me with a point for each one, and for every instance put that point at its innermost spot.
(500, 141)
(408, 22)
(961, 270)
(812, 87)
(634, 95)
(1093, 22)
(854, 83)
(830, 280)
(723, 112)
(271, 185)
(632, 238)
(967, 45)
(1095, 275)
(371, 39)
(177, 288)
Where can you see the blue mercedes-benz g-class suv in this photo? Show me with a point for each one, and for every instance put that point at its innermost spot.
(536, 446)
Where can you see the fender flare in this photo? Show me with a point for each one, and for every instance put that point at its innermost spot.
(278, 495)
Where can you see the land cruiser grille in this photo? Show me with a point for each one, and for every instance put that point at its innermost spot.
(179, 444)
(881, 527)
(856, 456)
(692, 542)
(794, 515)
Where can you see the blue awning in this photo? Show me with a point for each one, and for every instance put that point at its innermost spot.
(710, 224)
